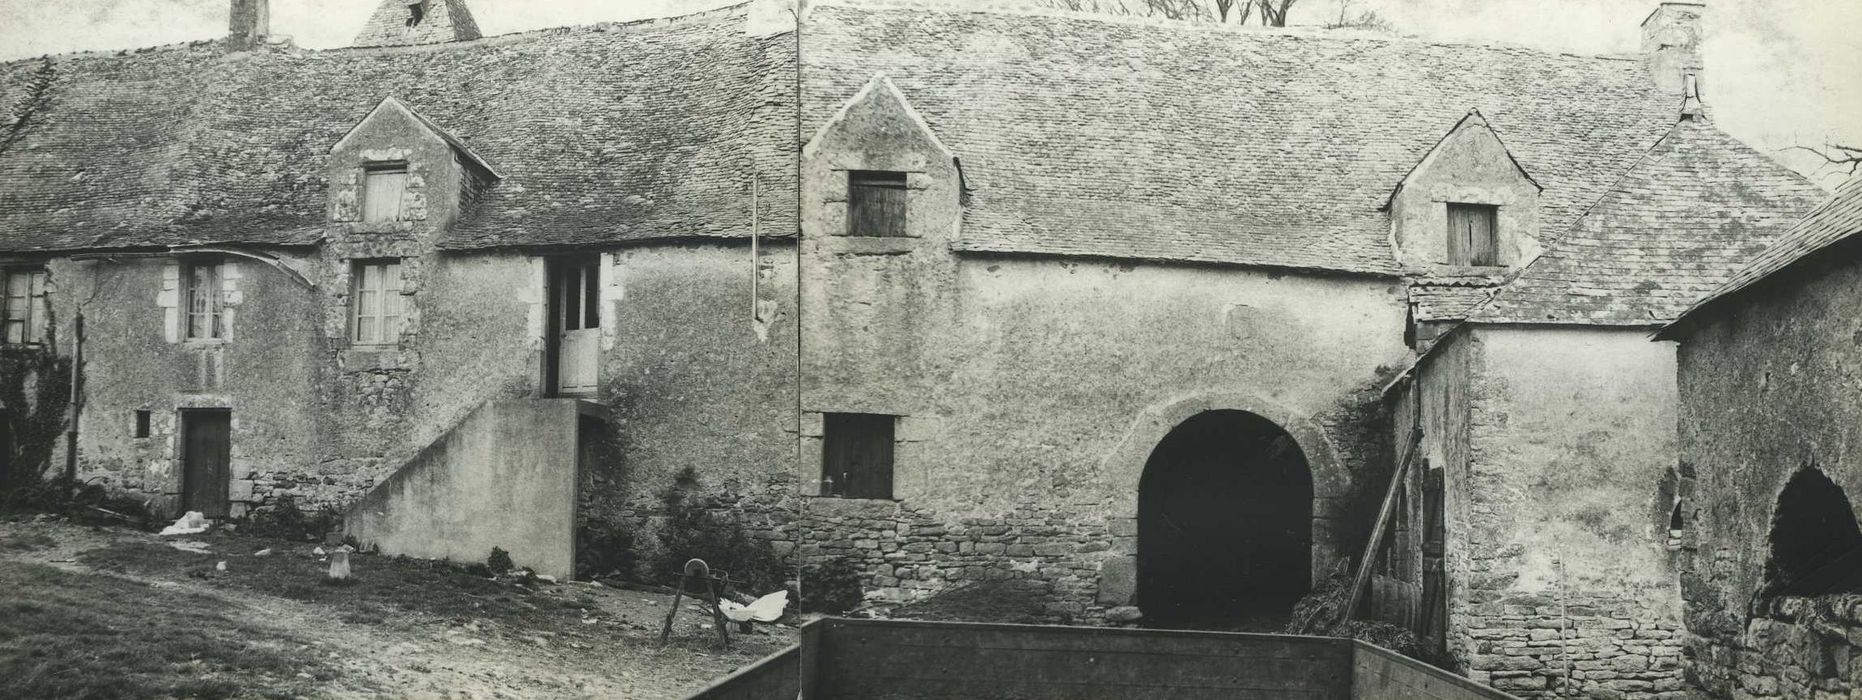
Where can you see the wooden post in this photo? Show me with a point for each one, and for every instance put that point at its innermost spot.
(1383, 522)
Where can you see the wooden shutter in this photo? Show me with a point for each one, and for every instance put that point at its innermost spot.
(381, 199)
(857, 455)
(1473, 238)
(876, 203)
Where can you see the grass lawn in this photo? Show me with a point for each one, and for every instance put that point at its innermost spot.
(70, 635)
(381, 587)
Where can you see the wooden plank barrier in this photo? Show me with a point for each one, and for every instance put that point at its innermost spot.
(909, 660)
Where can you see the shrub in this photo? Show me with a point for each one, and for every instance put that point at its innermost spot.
(499, 562)
(284, 519)
(693, 530)
(604, 548)
(831, 587)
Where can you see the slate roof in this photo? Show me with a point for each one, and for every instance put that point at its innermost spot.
(1096, 136)
(1837, 219)
(1696, 209)
(1436, 302)
(606, 133)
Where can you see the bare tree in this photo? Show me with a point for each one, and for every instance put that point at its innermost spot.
(1843, 157)
(1350, 17)
(1271, 13)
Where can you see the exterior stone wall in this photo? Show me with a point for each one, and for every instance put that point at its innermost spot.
(1558, 450)
(1767, 383)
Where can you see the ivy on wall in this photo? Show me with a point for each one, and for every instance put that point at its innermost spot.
(35, 388)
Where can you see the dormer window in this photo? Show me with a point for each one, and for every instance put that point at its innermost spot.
(416, 11)
(876, 203)
(381, 198)
(1473, 235)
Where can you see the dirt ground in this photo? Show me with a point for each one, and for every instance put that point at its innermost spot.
(407, 629)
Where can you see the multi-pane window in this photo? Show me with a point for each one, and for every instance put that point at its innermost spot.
(1473, 235)
(375, 299)
(381, 198)
(201, 282)
(856, 455)
(25, 308)
(875, 203)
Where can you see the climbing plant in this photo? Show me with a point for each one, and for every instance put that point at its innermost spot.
(35, 388)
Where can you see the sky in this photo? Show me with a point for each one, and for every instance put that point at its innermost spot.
(1780, 73)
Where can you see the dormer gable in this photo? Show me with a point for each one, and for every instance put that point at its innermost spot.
(1468, 204)
(410, 22)
(876, 170)
(398, 172)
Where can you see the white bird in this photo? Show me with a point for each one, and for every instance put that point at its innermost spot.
(765, 609)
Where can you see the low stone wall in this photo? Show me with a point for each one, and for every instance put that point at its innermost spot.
(909, 553)
(1794, 648)
(1586, 646)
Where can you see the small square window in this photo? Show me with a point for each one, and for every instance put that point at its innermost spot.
(204, 303)
(876, 203)
(142, 423)
(1473, 234)
(856, 455)
(375, 302)
(25, 309)
(381, 198)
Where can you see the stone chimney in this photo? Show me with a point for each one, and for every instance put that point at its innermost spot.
(249, 22)
(1671, 45)
(409, 22)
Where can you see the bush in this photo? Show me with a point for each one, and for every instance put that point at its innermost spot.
(499, 562)
(694, 531)
(831, 587)
(286, 521)
(604, 548)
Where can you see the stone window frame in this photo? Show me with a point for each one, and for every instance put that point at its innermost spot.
(37, 305)
(831, 439)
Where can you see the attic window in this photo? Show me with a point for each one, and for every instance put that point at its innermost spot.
(416, 11)
(381, 198)
(875, 203)
(1473, 235)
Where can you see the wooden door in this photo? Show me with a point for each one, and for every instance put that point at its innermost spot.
(206, 459)
(575, 295)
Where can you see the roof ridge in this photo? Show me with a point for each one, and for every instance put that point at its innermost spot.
(1018, 8)
(116, 53)
(720, 14)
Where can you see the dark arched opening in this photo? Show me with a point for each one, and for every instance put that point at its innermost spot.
(1224, 525)
(1816, 546)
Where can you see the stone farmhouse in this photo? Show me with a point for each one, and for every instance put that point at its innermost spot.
(1770, 566)
(1150, 314)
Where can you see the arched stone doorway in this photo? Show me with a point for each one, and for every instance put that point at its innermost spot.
(1225, 513)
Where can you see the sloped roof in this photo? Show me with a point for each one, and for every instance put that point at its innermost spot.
(1676, 226)
(1837, 219)
(604, 133)
(1099, 136)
